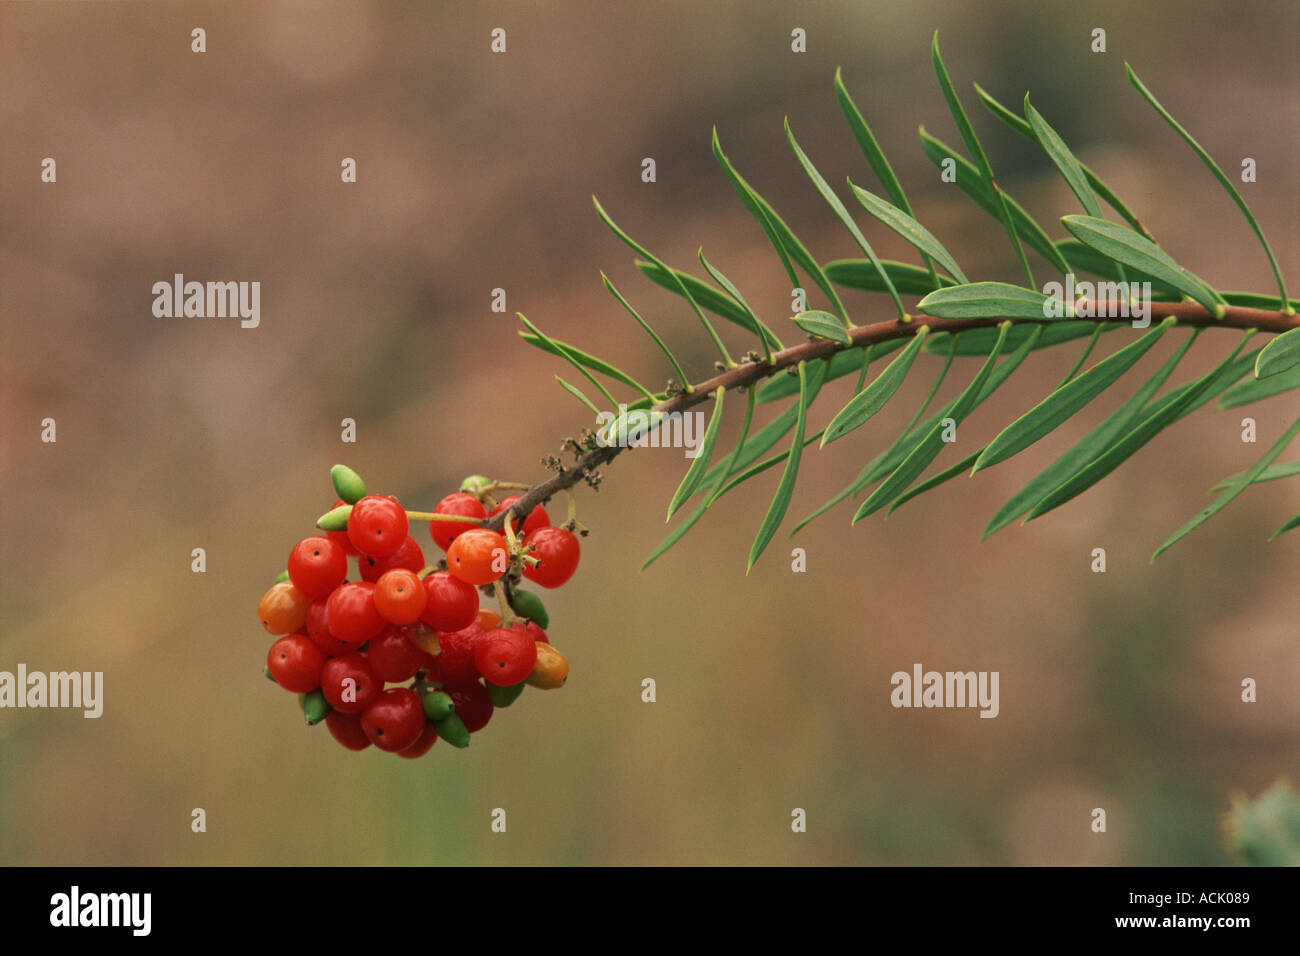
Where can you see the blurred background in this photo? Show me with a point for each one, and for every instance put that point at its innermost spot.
(475, 171)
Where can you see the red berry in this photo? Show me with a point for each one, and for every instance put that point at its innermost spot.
(473, 705)
(377, 526)
(537, 518)
(349, 684)
(318, 629)
(317, 566)
(341, 537)
(283, 608)
(533, 631)
(353, 617)
(410, 556)
(479, 556)
(295, 663)
(346, 729)
(423, 744)
(557, 553)
(394, 658)
(505, 655)
(487, 618)
(456, 662)
(451, 603)
(395, 720)
(461, 503)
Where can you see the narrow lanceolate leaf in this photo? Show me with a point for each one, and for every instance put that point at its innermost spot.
(873, 398)
(1083, 259)
(977, 153)
(755, 470)
(1100, 188)
(1290, 525)
(1257, 389)
(700, 464)
(870, 148)
(672, 359)
(862, 274)
(786, 242)
(822, 325)
(840, 364)
(781, 500)
(1125, 246)
(1218, 174)
(705, 295)
(833, 201)
(1235, 488)
(563, 352)
(755, 324)
(642, 251)
(973, 185)
(697, 513)
(1279, 355)
(952, 471)
(990, 300)
(930, 446)
(1272, 473)
(1067, 400)
(1151, 423)
(979, 341)
(577, 393)
(1087, 448)
(566, 351)
(1063, 160)
(909, 229)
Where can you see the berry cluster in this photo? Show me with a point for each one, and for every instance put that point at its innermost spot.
(341, 644)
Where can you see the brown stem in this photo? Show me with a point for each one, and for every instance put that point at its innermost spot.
(1187, 313)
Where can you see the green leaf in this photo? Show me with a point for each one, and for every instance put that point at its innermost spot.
(973, 185)
(1084, 259)
(977, 153)
(577, 393)
(781, 500)
(909, 229)
(870, 148)
(862, 274)
(1152, 422)
(1257, 389)
(1067, 400)
(1218, 174)
(841, 364)
(1271, 473)
(979, 341)
(930, 446)
(1253, 300)
(700, 465)
(1289, 525)
(952, 471)
(571, 352)
(990, 300)
(755, 325)
(757, 469)
(1235, 488)
(833, 201)
(1124, 245)
(1063, 159)
(786, 243)
(705, 295)
(1266, 831)
(822, 325)
(1279, 355)
(672, 359)
(719, 476)
(642, 251)
(872, 399)
(1087, 448)
(563, 352)
(1100, 188)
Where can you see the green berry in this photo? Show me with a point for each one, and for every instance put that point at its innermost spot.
(475, 483)
(347, 484)
(452, 729)
(438, 705)
(314, 706)
(529, 605)
(505, 696)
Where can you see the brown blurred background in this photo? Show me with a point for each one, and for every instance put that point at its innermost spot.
(475, 172)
